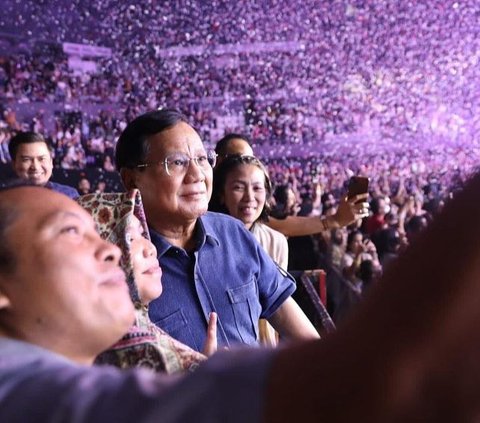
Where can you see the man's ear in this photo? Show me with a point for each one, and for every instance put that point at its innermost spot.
(128, 178)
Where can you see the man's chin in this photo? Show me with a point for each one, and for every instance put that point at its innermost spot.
(197, 205)
(203, 209)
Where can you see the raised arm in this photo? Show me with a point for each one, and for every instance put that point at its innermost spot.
(348, 212)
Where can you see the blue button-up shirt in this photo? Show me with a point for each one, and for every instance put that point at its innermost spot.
(229, 273)
(63, 189)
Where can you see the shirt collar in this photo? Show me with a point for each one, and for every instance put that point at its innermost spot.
(204, 233)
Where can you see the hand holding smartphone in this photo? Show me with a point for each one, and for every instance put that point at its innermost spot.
(357, 185)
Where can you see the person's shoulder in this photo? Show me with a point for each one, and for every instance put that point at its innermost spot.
(261, 227)
(18, 356)
(63, 189)
(226, 229)
(220, 220)
(271, 239)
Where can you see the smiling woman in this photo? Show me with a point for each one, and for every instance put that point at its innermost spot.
(120, 219)
(242, 189)
(245, 191)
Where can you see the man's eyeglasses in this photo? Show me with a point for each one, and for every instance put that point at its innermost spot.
(177, 163)
(244, 158)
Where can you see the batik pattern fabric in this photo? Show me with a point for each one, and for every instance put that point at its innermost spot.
(145, 345)
(112, 214)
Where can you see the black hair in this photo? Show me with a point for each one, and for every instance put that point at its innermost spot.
(366, 273)
(280, 196)
(387, 241)
(132, 146)
(375, 204)
(325, 200)
(220, 176)
(222, 145)
(25, 138)
(416, 224)
(351, 236)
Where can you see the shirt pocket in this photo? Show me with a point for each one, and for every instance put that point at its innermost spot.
(246, 311)
(176, 325)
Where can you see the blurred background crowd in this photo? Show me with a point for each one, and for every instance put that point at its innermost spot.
(323, 89)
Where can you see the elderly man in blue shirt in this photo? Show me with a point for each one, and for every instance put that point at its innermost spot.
(210, 262)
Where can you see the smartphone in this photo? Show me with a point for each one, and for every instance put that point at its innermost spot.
(357, 185)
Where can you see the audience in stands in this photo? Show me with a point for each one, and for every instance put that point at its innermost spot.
(84, 186)
(316, 111)
(82, 305)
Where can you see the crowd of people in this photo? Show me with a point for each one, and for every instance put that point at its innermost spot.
(295, 104)
(95, 302)
(333, 91)
(330, 70)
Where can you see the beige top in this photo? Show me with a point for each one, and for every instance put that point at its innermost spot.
(274, 243)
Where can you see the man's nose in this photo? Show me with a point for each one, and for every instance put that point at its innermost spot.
(34, 164)
(106, 251)
(194, 171)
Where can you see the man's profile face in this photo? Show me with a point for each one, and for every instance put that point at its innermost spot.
(67, 292)
(33, 161)
(176, 199)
